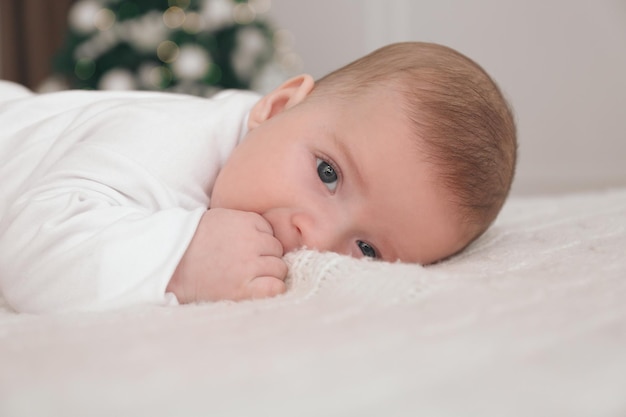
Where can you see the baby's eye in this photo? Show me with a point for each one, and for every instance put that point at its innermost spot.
(367, 249)
(327, 174)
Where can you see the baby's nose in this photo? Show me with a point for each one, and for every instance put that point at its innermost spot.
(316, 230)
(302, 225)
(303, 228)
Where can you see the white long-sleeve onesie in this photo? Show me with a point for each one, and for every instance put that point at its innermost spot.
(101, 192)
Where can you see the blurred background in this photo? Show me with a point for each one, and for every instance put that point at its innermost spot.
(561, 63)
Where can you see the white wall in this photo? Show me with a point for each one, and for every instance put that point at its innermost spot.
(562, 63)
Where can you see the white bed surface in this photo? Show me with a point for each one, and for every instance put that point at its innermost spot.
(529, 321)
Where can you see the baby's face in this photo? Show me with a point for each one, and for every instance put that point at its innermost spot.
(342, 177)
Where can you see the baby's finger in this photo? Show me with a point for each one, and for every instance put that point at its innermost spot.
(272, 266)
(265, 287)
(270, 246)
(261, 224)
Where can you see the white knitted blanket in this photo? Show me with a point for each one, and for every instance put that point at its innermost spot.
(529, 321)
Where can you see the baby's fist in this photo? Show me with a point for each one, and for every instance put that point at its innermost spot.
(232, 256)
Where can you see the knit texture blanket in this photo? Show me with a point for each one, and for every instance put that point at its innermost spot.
(530, 320)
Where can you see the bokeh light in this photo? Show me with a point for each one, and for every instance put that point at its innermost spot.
(104, 19)
(167, 51)
(174, 17)
(84, 68)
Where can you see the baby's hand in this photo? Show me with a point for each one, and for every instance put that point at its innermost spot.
(232, 256)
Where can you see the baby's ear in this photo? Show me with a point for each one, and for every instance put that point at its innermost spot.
(290, 93)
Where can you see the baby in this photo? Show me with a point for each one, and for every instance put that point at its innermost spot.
(405, 154)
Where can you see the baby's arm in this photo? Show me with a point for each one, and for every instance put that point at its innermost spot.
(233, 255)
(73, 244)
(83, 226)
(109, 210)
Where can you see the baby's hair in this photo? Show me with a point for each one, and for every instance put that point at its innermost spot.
(463, 123)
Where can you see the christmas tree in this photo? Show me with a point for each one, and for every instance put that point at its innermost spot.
(190, 46)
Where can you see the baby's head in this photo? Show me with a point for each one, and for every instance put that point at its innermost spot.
(461, 123)
(407, 153)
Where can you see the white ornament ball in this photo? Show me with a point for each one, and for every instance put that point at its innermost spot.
(192, 63)
(146, 32)
(117, 79)
(268, 78)
(51, 84)
(217, 13)
(149, 75)
(243, 64)
(250, 40)
(82, 16)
